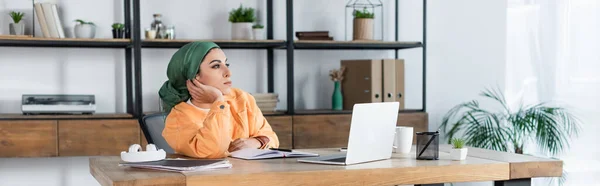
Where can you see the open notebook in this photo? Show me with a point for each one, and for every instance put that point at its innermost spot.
(181, 165)
(253, 154)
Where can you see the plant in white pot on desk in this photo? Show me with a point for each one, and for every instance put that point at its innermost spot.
(17, 27)
(241, 23)
(85, 29)
(458, 151)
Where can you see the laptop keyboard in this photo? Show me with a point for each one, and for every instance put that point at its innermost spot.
(341, 160)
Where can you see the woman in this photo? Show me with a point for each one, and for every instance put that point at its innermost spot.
(207, 117)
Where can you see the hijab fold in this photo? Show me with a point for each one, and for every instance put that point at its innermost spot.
(184, 65)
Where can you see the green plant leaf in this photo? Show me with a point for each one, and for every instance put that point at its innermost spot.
(84, 22)
(552, 127)
(16, 16)
(363, 14)
(242, 15)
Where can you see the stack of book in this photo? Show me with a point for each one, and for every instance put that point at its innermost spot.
(49, 20)
(313, 35)
(266, 102)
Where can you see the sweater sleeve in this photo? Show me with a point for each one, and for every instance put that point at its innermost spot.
(259, 126)
(201, 135)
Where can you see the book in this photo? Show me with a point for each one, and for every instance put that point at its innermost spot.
(50, 20)
(315, 38)
(181, 165)
(254, 154)
(39, 12)
(312, 34)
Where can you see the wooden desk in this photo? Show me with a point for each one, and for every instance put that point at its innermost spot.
(401, 169)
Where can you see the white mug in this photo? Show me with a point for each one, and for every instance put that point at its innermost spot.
(403, 139)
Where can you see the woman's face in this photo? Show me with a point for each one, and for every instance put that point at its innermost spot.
(214, 71)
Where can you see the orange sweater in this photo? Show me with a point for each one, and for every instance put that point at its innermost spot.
(200, 134)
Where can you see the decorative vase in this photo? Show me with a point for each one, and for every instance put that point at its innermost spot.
(336, 98)
(241, 31)
(16, 29)
(258, 33)
(85, 31)
(363, 29)
(458, 154)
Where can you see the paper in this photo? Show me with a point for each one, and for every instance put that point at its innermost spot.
(181, 165)
(252, 154)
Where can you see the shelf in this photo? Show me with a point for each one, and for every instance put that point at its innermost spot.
(354, 45)
(330, 112)
(17, 116)
(64, 42)
(229, 44)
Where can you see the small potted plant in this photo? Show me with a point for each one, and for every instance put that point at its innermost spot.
(85, 29)
(258, 32)
(241, 23)
(17, 27)
(118, 30)
(363, 25)
(458, 151)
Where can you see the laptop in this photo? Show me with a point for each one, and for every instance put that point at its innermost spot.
(371, 135)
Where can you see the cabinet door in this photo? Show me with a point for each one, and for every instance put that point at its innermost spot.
(28, 138)
(97, 137)
(282, 126)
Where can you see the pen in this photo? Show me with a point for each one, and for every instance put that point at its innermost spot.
(278, 149)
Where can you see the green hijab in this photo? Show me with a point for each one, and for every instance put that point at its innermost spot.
(184, 65)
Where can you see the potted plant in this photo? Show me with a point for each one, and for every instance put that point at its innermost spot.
(363, 25)
(17, 27)
(118, 30)
(258, 32)
(85, 29)
(458, 151)
(509, 129)
(241, 23)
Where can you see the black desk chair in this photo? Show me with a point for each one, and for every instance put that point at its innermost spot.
(153, 125)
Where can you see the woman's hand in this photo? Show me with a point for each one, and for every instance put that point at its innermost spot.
(243, 143)
(203, 94)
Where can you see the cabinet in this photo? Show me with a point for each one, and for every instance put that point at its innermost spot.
(331, 130)
(96, 137)
(59, 136)
(28, 138)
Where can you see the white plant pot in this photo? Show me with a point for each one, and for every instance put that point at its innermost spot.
(258, 33)
(16, 28)
(241, 31)
(458, 154)
(85, 31)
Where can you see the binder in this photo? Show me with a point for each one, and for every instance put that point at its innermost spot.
(362, 82)
(393, 81)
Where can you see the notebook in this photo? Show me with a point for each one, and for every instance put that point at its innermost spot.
(181, 165)
(253, 154)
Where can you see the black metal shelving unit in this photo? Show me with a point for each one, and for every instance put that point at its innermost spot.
(345, 45)
(127, 44)
(133, 48)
